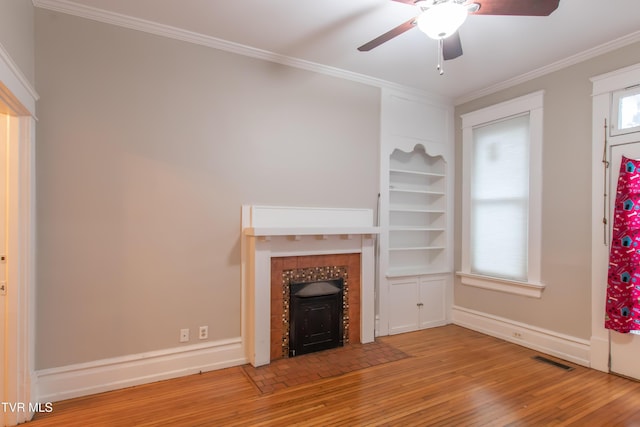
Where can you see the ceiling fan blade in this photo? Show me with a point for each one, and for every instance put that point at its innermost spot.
(452, 47)
(515, 7)
(388, 35)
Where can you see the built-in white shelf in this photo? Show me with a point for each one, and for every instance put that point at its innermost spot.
(412, 172)
(415, 213)
(417, 202)
(412, 271)
(418, 248)
(411, 228)
(405, 190)
(436, 211)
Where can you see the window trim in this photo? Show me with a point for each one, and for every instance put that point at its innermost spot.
(533, 105)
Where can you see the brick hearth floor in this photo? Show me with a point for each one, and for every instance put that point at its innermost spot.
(291, 371)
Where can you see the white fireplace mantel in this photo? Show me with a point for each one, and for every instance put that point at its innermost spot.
(275, 231)
(308, 231)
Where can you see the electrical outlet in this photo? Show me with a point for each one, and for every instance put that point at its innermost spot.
(184, 335)
(517, 335)
(203, 334)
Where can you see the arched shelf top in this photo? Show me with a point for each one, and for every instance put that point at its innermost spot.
(418, 161)
(420, 148)
(431, 149)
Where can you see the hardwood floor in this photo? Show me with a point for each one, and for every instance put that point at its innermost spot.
(452, 377)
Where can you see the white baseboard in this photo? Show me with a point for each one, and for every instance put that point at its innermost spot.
(82, 379)
(565, 347)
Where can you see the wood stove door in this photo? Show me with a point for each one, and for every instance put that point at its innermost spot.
(316, 324)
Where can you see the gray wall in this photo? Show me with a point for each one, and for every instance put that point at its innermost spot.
(16, 34)
(147, 148)
(565, 306)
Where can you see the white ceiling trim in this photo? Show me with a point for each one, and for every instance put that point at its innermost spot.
(20, 89)
(71, 8)
(556, 66)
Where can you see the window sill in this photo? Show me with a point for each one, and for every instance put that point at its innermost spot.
(527, 289)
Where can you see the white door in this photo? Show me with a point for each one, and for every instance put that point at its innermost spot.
(431, 296)
(404, 315)
(625, 348)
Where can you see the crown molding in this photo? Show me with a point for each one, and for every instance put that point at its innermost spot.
(556, 66)
(75, 9)
(72, 8)
(22, 96)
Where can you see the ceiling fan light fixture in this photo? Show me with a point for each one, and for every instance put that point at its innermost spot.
(442, 20)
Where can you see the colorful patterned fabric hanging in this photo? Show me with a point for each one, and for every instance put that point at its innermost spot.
(623, 290)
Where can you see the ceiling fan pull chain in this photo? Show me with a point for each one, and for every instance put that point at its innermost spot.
(440, 66)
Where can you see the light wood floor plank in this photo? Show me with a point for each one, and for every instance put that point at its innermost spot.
(452, 377)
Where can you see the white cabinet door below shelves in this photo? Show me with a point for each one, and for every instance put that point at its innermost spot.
(416, 303)
(404, 315)
(432, 297)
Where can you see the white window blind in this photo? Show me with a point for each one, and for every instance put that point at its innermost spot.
(499, 198)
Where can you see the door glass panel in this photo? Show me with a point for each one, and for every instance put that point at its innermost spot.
(626, 111)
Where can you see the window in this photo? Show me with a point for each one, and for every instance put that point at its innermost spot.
(499, 198)
(625, 114)
(502, 164)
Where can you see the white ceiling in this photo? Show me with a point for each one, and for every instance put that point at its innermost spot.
(327, 32)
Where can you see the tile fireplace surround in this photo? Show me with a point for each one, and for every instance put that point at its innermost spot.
(302, 238)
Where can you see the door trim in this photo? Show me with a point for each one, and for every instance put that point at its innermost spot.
(17, 100)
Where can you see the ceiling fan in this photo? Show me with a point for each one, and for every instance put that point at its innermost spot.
(440, 20)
